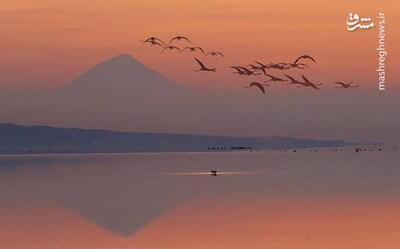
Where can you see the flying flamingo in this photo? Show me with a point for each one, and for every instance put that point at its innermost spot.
(193, 49)
(293, 81)
(238, 70)
(264, 66)
(247, 71)
(307, 82)
(280, 66)
(154, 39)
(204, 68)
(170, 48)
(216, 53)
(274, 78)
(258, 85)
(178, 38)
(297, 65)
(153, 43)
(257, 68)
(345, 85)
(305, 57)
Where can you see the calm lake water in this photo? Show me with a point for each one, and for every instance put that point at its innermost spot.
(264, 200)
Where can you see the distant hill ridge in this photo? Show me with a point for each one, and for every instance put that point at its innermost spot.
(44, 139)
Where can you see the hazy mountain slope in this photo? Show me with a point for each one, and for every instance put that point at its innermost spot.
(122, 94)
(43, 139)
(120, 90)
(119, 76)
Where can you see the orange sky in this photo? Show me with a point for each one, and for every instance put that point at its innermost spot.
(49, 42)
(275, 224)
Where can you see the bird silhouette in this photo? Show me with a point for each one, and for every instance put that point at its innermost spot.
(154, 39)
(258, 85)
(297, 65)
(170, 48)
(257, 68)
(308, 83)
(305, 57)
(153, 43)
(193, 49)
(266, 66)
(274, 78)
(345, 85)
(238, 70)
(178, 38)
(203, 67)
(293, 81)
(215, 53)
(254, 67)
(286, 66)
(280, 66)
(248, 71)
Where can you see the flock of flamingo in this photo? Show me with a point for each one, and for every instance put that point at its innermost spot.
(253, 69)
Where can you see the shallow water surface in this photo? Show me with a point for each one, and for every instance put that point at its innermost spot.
(263, 199)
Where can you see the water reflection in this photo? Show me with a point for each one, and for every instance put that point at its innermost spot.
(124, 193)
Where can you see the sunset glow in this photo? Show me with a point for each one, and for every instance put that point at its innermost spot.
(278, 224)
(154, 124)
(47, 43)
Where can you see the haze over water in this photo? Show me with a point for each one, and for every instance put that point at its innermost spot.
(305, 199)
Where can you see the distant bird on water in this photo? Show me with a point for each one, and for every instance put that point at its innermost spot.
(345, 85)
(178, 38)
(258, 85)
(203, 67)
